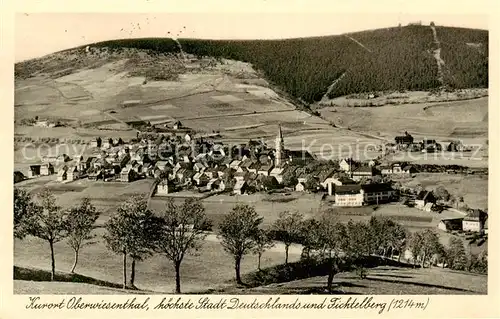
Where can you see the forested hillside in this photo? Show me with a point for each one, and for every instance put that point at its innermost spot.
(399, 58)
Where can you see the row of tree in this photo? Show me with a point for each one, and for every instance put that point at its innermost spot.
(136, 232)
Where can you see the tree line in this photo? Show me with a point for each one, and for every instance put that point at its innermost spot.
(389, 59)
(136, 232)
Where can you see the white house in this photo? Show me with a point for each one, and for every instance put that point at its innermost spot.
(474, 221)
(277, 173)
(72, 173)
(349, 195)
(347, 164)
(300, 187)
(62, 174)
(163, 188)
(240, 187)
(359, 195)
(235, 164)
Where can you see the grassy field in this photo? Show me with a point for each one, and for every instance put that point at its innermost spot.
(105, 196)
(210, 268)
(215, 99)
(445, 120)
(384, 280)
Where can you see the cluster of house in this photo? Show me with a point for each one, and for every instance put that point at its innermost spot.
(475, 221)
(407, 142)
(251, 166)
(179, 162)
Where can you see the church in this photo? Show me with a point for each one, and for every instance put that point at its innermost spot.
(284, 156)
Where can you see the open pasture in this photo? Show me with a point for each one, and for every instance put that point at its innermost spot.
(426, 119)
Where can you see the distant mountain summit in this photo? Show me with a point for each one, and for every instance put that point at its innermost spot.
(413, 57)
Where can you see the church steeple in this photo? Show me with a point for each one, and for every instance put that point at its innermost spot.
(280, 146)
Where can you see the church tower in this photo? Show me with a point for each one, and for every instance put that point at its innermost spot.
(280, 149)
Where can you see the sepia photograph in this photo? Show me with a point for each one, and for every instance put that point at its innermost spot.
(250, 154)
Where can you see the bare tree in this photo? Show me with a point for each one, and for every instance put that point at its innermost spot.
(263, 242)
(80, 223)
(237, 233)
(182, 232)
(48, 222)
(288, 228)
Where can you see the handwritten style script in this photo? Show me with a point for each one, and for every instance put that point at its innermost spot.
(233, 303)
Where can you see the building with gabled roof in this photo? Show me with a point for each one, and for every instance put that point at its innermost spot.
(46, 169)
(423, 198)
(34, 170)
(348, 164)
(72, 173)
(475, 220)
(164, 187)
(240, 187)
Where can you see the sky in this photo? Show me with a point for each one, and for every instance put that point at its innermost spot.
(37, 34)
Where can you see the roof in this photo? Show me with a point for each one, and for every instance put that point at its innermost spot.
(424, 195)
(266, 167)
(348, 160)
(363, 169)
(373, 188)
(452, 223)
(476, 215)
(255, 165)
(326, 174)
(277, 170)
(347, 189)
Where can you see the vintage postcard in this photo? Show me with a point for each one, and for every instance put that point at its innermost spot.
(263, 163)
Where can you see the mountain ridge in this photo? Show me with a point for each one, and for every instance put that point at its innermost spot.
(388, 59)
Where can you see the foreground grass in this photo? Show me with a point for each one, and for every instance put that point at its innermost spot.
(209, 269)
(36, 281)
(382, 280)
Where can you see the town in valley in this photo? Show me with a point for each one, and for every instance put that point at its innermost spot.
(150, 166)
